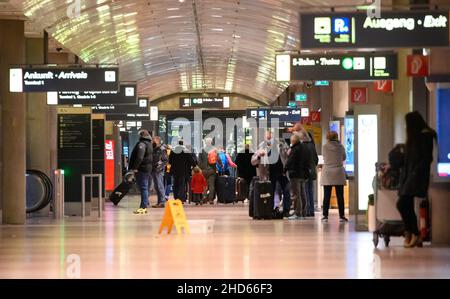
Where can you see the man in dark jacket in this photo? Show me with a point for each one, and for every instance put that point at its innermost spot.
(159, 165)
(181, 163)
(245, 169)
(297, 167)
(141, 164)
(307, 141)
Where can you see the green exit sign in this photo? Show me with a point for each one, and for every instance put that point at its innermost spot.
(292, 104)
(322, 83)
(301, 97)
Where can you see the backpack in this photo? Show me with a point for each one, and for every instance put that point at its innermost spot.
(222, 167)
(397, 157)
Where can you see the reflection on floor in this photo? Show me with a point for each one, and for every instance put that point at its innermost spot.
(124, 245)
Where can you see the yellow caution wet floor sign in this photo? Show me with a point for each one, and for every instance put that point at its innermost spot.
(174, 214)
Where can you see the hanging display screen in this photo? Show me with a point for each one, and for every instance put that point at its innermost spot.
(205, 102)
(63, 79)
(393, 29)
(125, 95)
(349, 142)
(338, 67)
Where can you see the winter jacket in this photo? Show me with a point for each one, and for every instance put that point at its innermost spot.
(415, 174)
(198, 183)
(298, 162)
(159, 158)
(141, 158)
(310, 146)
(180, 161)
(333, 171)
(245, 169)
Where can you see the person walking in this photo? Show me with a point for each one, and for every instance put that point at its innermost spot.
(208, 160)
(297, 167)
(223, 167)
(141, 164)
(333, 175)
(159, 165)
(415, 173)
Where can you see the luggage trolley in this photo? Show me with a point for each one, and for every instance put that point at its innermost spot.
(388, 220)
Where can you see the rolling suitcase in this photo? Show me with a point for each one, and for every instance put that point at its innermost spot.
(251, 195)
(123, 188)
(241, 189)
(226, 189)
(263, 200)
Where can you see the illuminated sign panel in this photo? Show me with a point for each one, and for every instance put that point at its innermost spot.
(395, 29)
(205, 102)
(63, 79)
(360, 66)
(125, 95)
(109, 165)
(443, 127)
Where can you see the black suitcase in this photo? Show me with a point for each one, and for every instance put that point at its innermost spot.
(226, 189)
(263, 200)
(241, 189)
(119, 192)
(251, 195)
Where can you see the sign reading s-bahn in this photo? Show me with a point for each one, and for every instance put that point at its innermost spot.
(394, 29)
(63, 79)
(359, 66)
(126, 95)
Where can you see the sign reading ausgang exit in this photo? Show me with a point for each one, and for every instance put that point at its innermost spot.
(394, 29)
(360, 66)
(63, 79)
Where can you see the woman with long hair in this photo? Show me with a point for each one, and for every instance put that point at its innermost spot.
(415, 175)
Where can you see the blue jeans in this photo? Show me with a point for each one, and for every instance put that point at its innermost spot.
(158, 183)
(283, 183)
(142, 181)
(168, 182)
(309, 186)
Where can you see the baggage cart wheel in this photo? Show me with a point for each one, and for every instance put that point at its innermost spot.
(387, 239)
(375, 240)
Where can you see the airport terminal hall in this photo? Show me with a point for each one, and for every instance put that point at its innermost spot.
(220, 140)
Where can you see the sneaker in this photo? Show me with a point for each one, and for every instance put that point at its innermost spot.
(343, 220)
(293, 217)
(407, 239)
(325, 219)
(140, 211)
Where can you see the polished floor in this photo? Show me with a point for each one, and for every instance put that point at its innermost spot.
(123, 245)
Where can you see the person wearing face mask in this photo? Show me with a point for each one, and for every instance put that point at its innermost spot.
(158, 166)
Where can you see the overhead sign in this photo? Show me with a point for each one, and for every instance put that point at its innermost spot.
(358, 95)
(360, 66)
(286, 116)
(394, 29)
(63, 79)
(417, 66)
(386, 86)
(120, 109)
(301, 97)
(128, 116)
(322, 83)
(125, 95)
(205, 102)
(292, 104)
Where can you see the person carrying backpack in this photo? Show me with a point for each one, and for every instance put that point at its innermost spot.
(223, 167)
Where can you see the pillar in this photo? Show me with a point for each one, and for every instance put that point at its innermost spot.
(38, 124)
(340, 98)
(402, 98)
(13, 125)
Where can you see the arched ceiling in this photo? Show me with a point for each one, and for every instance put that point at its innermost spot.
(169, 46)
